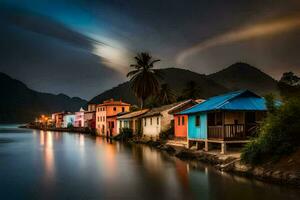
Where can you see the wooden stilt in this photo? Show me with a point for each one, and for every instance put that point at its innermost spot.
(223, 148)
(206, 146)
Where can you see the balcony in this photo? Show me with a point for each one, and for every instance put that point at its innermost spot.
(232, 131)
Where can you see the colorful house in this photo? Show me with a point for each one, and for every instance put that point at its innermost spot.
(68, 120)
(225, 119)
(106, 116)
(90, 119)
(161, 119)
(181, 121)
(79, 118)
(131, 121)
(57, 119)
(92, 107)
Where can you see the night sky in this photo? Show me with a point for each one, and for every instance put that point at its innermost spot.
(83, 47)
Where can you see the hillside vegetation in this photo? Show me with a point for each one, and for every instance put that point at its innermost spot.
(236, 76)
(18, 103)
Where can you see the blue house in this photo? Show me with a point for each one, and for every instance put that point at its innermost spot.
(227, 118)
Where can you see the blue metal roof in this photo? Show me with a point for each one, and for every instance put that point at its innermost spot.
(238, 100)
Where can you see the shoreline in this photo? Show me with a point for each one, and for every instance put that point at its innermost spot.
(72, 130)
(226, 163)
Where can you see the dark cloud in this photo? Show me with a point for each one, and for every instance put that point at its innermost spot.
(51, 57)
(50, 44)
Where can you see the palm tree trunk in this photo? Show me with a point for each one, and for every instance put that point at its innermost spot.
(142, 103)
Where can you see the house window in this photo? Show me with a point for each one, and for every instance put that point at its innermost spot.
(178, 121)
(104, 119)
(151, 121)
(120, 124)
(157, 120)
(145, 122)
(98, 119)
(123, 109)
(115, 108)
(197, 122)
(182, 120)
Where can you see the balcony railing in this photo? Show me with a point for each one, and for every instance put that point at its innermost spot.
(228, 132)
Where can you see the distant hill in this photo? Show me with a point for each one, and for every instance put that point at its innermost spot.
(18, 103)
(245, 76)
(234, 77)
(175, 77)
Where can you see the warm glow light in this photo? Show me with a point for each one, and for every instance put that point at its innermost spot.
(49, 155)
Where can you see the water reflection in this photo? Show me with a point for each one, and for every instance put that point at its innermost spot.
(46, 141)
(182, 174)
(75, 166)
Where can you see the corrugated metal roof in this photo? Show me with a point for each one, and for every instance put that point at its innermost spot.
(158, 110)
(180, 106)
(238, 100)
(133, 114)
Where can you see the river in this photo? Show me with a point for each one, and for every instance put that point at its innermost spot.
(51, 165)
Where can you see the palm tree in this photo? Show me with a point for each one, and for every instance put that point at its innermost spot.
(166, 95)
(191, 91)
(144, 79)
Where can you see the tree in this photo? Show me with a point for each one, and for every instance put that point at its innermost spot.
(270, 103)
(144, 79)
(166, 95)
(289, 85)
(278, 135)
(290, 78)
(191, 91)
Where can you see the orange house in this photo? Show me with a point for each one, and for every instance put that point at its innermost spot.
(181, 121)
(106, 116)
(180, 126)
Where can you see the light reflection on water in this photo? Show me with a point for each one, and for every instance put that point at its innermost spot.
(53, 165)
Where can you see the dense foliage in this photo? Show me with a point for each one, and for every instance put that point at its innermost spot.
(280, 133)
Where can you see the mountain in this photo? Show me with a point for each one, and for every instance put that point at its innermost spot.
(234, 77)
(175, 77)
(18, 103)
(244, 76)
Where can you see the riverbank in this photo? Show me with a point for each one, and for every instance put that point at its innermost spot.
(71, 129)
(286, 171)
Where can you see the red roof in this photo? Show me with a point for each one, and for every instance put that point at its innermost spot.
(112, 102)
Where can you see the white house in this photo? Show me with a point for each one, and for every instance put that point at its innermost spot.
(131, 121)
(79, 118)
(160, 119)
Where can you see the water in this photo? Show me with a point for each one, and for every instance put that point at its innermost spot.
(51, 165)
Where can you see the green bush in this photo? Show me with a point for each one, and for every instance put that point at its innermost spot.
(279, 135)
